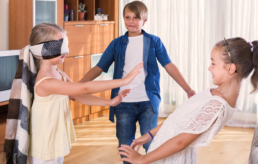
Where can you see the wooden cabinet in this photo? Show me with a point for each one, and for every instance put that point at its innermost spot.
(109, 7)
(102, 35)
(85, 38)
(89, 37)
(76, 68)
(2, 136)
(79, 36)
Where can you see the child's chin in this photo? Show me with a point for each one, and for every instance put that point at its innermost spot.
(215, 83)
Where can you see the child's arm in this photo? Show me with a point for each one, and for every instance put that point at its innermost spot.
(54, 86)
(88, 99)
(173, 71)
(167, 149)
(145, 138)
(91, 74)
(104, 63)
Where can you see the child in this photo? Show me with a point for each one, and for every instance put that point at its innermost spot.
(200, 118)
(45, 130)
(137, 46)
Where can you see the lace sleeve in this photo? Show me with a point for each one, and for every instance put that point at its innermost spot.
(207, 120)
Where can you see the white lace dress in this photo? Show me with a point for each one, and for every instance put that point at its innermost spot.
(202, 113)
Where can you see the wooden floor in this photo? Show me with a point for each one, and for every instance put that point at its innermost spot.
(97, 143)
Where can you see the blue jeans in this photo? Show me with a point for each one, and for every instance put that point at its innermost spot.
(127, 114)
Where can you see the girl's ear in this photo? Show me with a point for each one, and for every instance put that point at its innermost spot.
(232, 68)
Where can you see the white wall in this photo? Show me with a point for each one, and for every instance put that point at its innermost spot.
(4, 27)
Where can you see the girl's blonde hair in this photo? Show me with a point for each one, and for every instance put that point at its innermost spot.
(42, 33)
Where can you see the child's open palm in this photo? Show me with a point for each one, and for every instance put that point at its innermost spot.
(136, 70)
(119, 98)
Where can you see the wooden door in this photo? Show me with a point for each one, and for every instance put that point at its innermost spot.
(79, 36)
(76, 68)
(102, 35)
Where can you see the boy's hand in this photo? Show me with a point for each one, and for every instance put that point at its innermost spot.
(132, 156)
(136, 70)
(140, 141)
(118, 99)
(190, 93)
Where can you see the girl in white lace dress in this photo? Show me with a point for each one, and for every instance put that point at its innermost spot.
(200, 118)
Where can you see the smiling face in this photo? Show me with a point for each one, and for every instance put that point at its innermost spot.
(219, 69)
(133, 23)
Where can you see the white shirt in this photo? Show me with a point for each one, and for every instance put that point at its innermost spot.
(203, 114)
(133, 56)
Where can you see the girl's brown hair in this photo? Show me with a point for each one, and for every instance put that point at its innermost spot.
(138, 8)
(42, 33)
(243, 55)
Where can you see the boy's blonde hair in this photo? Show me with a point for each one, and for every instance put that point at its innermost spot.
(44, 32)
(138, 8)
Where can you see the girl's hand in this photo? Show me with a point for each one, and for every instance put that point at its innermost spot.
(71, 98)
(140, 141)
(136, 70)
(132, 156)
(190, 93)
(118, 99)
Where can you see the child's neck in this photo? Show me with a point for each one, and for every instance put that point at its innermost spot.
(230, 90)
(133, 34)
(48, 68)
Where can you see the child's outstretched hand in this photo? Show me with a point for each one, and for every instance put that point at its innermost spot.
(132, 156)
(140, 141)
(118, 99)
(190, 93)
(136, 70)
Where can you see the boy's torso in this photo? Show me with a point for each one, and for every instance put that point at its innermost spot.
(117, 51)
(133, 56)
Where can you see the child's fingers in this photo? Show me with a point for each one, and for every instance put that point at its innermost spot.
(138, 66)
(123, 153)
(125, 148)
(138, 147)
(125, 91)
(133, 144)
(126, 159)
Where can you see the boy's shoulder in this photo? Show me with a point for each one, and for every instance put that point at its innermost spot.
(150, 35)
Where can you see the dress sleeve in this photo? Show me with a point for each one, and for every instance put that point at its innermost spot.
(207, 121)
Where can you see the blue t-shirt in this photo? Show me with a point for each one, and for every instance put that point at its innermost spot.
(153, 49)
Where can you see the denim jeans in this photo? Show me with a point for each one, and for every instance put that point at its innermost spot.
(127, 114)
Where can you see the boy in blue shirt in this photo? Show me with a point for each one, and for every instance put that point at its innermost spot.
(142, 103)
